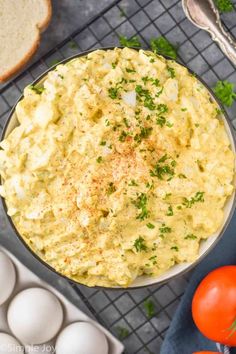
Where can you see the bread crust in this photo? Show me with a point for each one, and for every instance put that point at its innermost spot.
(41, 27)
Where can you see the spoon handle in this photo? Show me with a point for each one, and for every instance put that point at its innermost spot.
(204, 14)
(226, 42)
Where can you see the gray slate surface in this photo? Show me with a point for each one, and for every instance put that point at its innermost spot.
(196, 49)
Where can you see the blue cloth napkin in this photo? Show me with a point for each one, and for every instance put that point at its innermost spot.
(183, 337)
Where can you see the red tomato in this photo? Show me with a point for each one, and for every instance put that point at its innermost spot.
(207, 353)
(214, 306)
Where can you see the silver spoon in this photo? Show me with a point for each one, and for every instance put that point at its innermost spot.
(204, 14)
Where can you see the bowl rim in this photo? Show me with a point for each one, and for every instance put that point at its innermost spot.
(226, 120)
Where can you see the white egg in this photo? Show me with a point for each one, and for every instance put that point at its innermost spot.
(9, 344)
(35, 316)
(7, 277)
(81, 338)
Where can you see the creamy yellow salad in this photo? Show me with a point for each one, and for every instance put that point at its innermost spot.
(119, 167)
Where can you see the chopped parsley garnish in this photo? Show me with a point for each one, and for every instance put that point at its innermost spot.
(122, 12)
(162, 108)
(171, 71)
(169, 125)
(153, 259)
(199, 197)
(140, 245)
(145, 79)
(123, 136)
(133, 183)
(111, 189)
(149, 185)
(162, 170)
(148, 103)
(219, 111)
(107, 123)
(224, 90)
(149, 308)
(141, 203)
(113, 92)
(125, 120)
(175, 248)
(148, 100)
(154, 246)
(154, 82)
(103, 143)
(113, 65)
(122, 332)
(163, 158)
(37, 89)
(130, 70)
(161, 121)
(73, 45)
(99, 159)
(144, 134)
(170, 211)
(162, 46)
(150, 226)
(224, 5)
(165, 229)
(183, 109)
(165, 169)
(159, 92)
(181, 175)
(168, 195)
(129, 42)
(116, 126)
(190, 237)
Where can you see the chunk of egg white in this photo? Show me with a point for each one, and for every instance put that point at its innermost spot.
(35, 316)
(7, 277)
(28, 128)
(11, 211)
(16, 184)
(171, 89)
(81, 338)
(34, 215)
(9, 344)
(84, 218)
(43, 114)
(107, 66)
(129, 98)
(2, 191)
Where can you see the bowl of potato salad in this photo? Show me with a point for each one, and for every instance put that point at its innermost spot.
(117, 168)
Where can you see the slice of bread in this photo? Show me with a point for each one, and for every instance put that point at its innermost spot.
(21, 22)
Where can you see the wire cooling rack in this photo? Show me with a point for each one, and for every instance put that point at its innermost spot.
(124, 312)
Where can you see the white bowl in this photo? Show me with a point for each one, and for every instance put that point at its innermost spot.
(205, 246)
